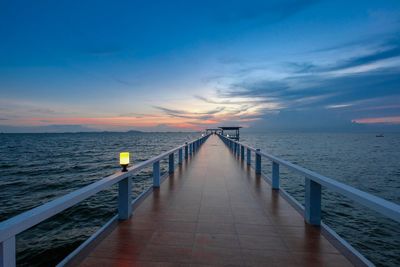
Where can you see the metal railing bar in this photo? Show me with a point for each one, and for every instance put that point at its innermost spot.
(380, 205)
(87, 242)
(30, 218)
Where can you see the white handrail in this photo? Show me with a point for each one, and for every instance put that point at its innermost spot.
(15, 225)
(380, 205)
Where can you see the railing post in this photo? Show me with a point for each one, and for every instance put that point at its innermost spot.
(125, 198)
(190, 149)
(186, 151)
(312, 202)
(258, 162)
(242, 152)
(180, 156)
(248, 156)
(156, 174)
(7, 253)
(171, 163)
(275, 175)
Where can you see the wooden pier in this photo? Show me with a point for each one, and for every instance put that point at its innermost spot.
(214, 211)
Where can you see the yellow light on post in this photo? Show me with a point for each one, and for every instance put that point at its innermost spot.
(124, 160)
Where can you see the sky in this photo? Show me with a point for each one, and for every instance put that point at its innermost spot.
(188, 65)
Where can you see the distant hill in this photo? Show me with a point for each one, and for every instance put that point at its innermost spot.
(57, 129)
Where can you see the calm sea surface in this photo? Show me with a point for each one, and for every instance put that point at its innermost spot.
(37, 168)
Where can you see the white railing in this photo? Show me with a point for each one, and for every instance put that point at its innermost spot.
(15, 225)
(313, 183)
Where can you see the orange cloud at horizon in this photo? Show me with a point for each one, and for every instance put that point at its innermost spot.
(147, 121)
(384, 120)
(193, 117)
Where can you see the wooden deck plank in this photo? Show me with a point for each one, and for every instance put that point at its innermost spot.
(214, 211)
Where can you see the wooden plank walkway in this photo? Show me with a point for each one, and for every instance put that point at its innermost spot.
(214, 211)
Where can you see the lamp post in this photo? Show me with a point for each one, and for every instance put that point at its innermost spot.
(124, 161)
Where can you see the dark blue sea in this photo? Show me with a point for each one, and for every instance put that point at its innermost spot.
(37, 168)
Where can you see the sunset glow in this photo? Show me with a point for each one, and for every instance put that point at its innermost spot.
(385, 120)
(156, 68)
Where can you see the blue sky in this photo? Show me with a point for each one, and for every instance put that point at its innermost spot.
(183, 65)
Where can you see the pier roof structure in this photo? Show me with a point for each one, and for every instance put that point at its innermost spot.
(236, 130)
(230, 127)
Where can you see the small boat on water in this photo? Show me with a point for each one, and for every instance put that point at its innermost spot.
(379, 135)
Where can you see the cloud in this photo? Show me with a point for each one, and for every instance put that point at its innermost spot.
(306, 94)
(46, 129)
(206, 115)
(236, 114)
(228, 101)
(338, 106)
(43, 110)
(170, 111)
(383, 107)
(181, 114)
(122, 81)
(14, 109)
(380, 120)
(385, 50)
(295, 92)
(271, 11)
(371, 40)
(367, 59)
(136, 115)
(299, 67)
(263, 88)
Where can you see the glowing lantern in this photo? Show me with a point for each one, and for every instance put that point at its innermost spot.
(124, 160)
